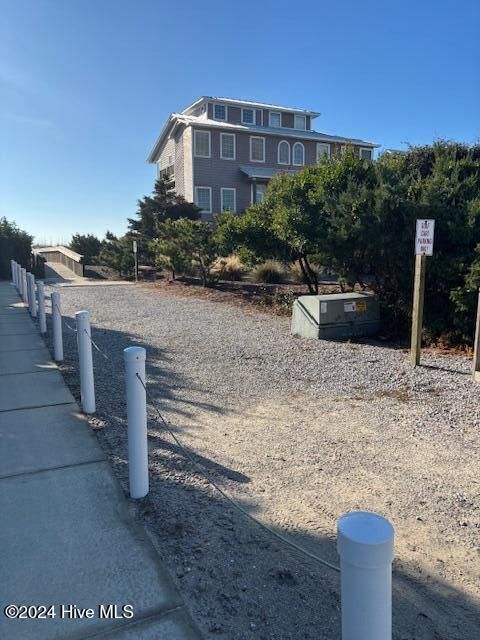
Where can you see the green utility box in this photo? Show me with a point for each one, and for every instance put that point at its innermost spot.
(335, 316)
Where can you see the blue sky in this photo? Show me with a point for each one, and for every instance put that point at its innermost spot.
(86, 86)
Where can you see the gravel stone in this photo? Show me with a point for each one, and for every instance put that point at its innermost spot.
(298, 432)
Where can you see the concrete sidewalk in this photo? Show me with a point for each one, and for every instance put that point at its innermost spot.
(59, 275)
(66, 535)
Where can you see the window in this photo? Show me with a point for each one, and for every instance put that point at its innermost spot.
(219, 112)
(365, 153)
(257, 149)
(203, 198)
(258, 192)
(298, 154)
(323, 149)
(248, 116)
(202, 144)
(170, 160)
(283, 152)
(300, 122)
(227, 146)
(275, 119)
(229, 198)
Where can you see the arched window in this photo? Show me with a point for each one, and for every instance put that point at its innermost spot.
(298, 154)
(283, 152)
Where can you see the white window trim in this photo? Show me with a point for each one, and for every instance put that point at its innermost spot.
(222, 189)
(324, 144)
(195, 143)
(196, 197)
(254, 123)
(277, 113)
(300, 115)
(289, 153)
(262, 184)
(296, 164)
(365, 149)
(220, 104)
(264, 150)
(222, 157)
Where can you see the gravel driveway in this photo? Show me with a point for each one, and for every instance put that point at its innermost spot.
(299, 432)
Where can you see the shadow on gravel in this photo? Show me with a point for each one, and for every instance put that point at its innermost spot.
(447, 369)
(238, 581)
(165, 388)
(211, 466)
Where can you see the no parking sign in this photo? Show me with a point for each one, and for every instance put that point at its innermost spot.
(424, 237)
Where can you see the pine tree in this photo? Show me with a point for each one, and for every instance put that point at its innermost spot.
(153, 210)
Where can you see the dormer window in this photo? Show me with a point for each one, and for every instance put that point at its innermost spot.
(248, 116)
(300, 122)
(275, 119)
(220, 112)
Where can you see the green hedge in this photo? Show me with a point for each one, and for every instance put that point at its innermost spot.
(14, 244)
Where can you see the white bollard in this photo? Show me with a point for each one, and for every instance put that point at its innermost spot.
(137, 421)
(15, 274)
(85, 360)
(32, 303)
(57, 327)
(22, 280)
(41, 306)
(12, 270)
(28, 290)
(365, 546)
(24, 286)
(19, 280)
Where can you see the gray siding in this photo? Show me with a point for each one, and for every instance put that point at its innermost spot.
(234, 115)
(179, 164)
(287, 120)
(216, 173)
(168, 150)
(198, 110)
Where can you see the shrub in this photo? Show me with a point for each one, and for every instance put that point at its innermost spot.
(117, 254)
(87, 245)
(229, 268)
(280, 303)
(270, 272)
(296, 274)
(14, 244)
(186, 242)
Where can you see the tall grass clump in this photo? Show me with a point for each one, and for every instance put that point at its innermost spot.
(229, 268)
(269, 272)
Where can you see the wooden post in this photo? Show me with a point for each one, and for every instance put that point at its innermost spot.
(417, 315)
(476, 345)
(136, 259)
